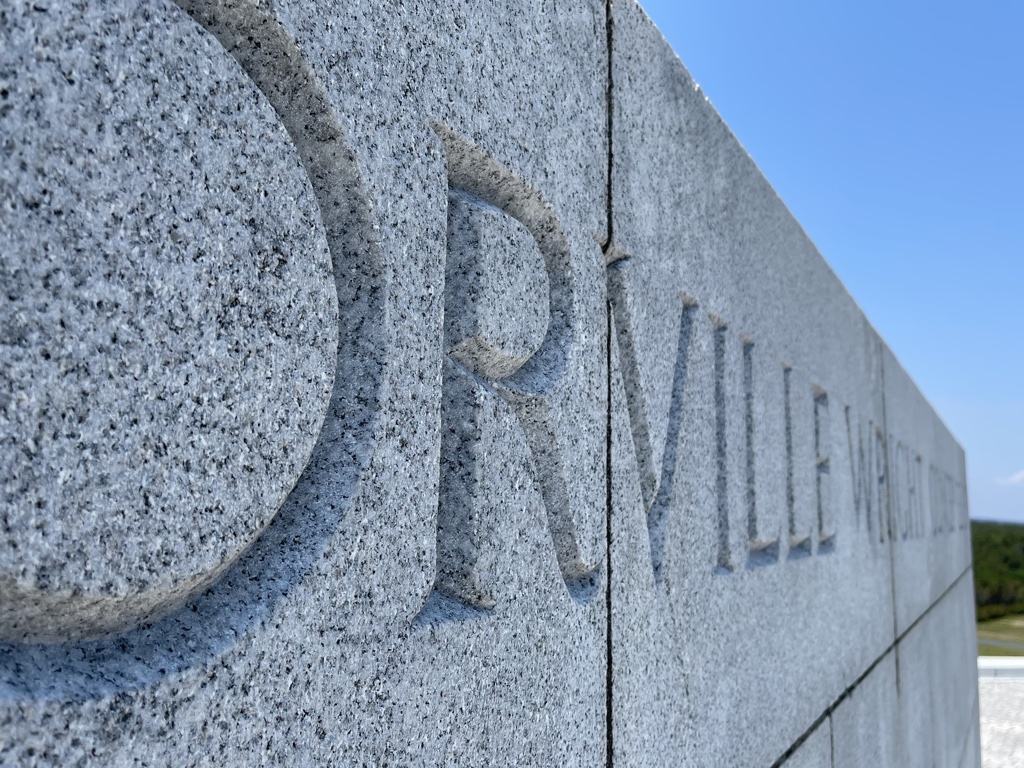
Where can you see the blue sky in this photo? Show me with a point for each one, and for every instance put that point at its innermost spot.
(894, 133)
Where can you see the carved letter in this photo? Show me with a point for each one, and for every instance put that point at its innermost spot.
(761, 552)
(655, 488)
(823, 480)
(799, 542)
(504, 245)
(725, 564)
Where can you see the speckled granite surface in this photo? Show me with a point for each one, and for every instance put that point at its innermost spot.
(169, 318)
(321, 325)
(919, 705)
(737, 351)
(272, 157)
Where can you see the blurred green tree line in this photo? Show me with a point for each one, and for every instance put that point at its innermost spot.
(998, 550)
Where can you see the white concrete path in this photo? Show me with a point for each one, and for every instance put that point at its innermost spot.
(1001, 692)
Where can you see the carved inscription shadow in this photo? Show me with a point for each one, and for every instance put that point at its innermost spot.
(508, 330)
(869, 474)
(212, 623)
(657, 483)
(655, 486)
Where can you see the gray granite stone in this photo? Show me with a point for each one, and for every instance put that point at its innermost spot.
(815, 751)
(501, 289)
(743, 379)
(971, 754)
(169, 318)
(938, 682)
(919, 705)
(925, 476)
(376, 620)
(866, 725)
(321, 405)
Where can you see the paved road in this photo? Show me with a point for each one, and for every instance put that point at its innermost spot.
(1002, 722)
(1001, 644)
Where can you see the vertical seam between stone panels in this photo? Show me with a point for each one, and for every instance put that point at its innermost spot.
(889, 526)
(609, 678)
(609, 108)
(976, 720)
(831, 740)
(609, 653)
(831, 708)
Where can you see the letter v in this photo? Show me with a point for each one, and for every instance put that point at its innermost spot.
(656, 491)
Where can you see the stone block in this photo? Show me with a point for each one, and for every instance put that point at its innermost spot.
(316, 201)
(500, 286)
(866, 725)
(918, 705)
(743, 376)
(815, 751)
(169, 319)
(970, 757)
(370, 395)
(925, 478)
(938, 682)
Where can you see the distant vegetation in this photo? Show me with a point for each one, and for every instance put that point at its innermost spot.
(1001, 637)
(998, 568)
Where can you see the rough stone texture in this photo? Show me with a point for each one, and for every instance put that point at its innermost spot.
(169, 318)
(366, 239)
(927, 483)
(938, 679)
(866, 724)
(1002, 722)
(745, 555)
(816, 751)
(501, 277)
(321, 647)
(919, 705)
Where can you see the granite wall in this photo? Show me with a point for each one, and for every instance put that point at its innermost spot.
(442, 384)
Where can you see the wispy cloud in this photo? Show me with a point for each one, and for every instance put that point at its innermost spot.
(1017, 479)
